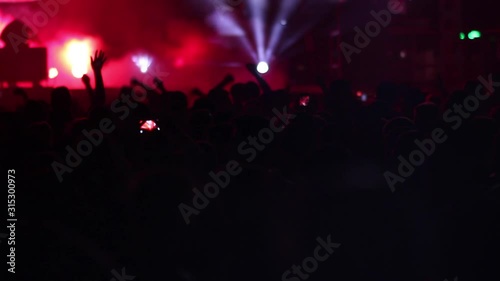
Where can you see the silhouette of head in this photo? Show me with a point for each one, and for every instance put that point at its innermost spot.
(16, 34)
(60, 99)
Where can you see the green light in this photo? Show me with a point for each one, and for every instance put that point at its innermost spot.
(462, 36)
(474, 34)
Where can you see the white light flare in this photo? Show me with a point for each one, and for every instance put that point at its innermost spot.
(77, 53)
(142, 62)
(263, 67)
(223, 19)
(53, 73)
(258, 10)
(225, 24)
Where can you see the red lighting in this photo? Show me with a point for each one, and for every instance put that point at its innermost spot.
(179, 62)
(149, 125)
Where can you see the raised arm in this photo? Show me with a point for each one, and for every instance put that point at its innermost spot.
(88, 87)
(159, 85)
(252, 68)
(97, 63)
(226, 81)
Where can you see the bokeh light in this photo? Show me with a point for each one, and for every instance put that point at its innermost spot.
(53, 73)
(143, 62)
(77, 55)
(263, 67)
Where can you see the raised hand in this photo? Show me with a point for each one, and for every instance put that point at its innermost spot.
(159, 85)
(158, 82)
(98, 60)
(252, 68)
(86, 79)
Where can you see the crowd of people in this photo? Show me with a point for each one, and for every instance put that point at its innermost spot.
(117, 211)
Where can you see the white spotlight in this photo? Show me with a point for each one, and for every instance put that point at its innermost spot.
(262, 67)
(143, 62)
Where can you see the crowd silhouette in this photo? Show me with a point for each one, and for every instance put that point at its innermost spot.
(323, 175)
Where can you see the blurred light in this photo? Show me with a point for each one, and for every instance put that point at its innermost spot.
(77, 53)
(226, 24)
(53, 73)
(143, 62)
(474, 34)
(364, 97)
(257, 10)
(4, 21)
(304, 101)
(286, 10)
(149, 126)
(262, 67)
(402, 54)
(462, 36)
(179, 62)
(359, 94)
(298, 33)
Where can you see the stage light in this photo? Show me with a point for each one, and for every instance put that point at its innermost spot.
(474, 34)
(53, 73)
(258, 10)
(279, 25)
(226, 24)
(77, 54)
(262, 67)
(143, 62)
(462, 36)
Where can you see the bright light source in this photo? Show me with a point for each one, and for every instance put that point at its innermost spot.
(283, 22)
(304, 101)
(257, 10)
(462, 36)
(149, 126)
(77, 53)
(474, 34)
(262, 67)
(53, 73)
(143, 62)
